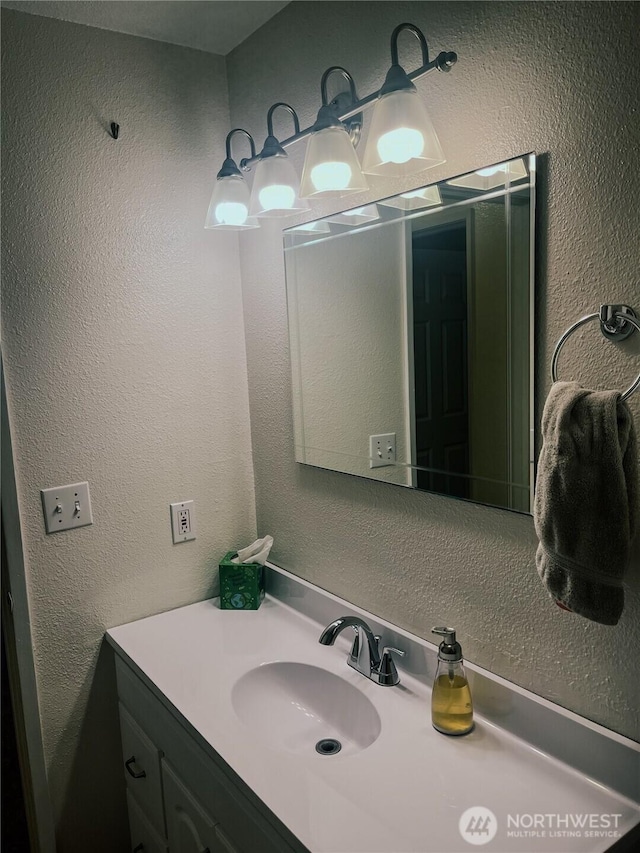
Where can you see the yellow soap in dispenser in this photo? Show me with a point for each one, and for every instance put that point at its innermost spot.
(451, 707)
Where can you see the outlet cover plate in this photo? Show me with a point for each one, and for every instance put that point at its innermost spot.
(66, 507)
(183, 521)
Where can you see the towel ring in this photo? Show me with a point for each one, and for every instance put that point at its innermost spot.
(613, 319)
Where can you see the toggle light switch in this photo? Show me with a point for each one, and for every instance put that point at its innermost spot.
(66, 507)
(382, 450)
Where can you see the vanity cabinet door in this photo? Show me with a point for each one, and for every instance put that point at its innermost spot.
(141, 766)
(239, 824)
(225, 845)
(144, 838)
(190, 829)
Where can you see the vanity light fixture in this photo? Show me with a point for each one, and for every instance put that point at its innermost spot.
(415, 200)
(318, 226)
(331, 166)
(493, 176)
(401, 141)
(229, 205)
(357, 216)
(276, 187)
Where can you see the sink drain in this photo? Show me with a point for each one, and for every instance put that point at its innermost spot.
(328, 746)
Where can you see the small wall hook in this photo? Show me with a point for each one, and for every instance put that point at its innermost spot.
(115, 129)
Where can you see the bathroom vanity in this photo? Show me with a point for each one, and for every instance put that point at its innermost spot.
(221, 713)
(181, 796)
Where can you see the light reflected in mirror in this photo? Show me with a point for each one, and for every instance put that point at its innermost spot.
(410, 325)
(416, 199)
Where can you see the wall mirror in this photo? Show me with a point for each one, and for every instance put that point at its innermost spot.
(411, 333)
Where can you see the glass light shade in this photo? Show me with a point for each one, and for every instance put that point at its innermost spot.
(331, 167)
(318, 226)
(401, 139)
(229, 205)
(415, 199)
(493, 176)
(275, 188)
(357, 216)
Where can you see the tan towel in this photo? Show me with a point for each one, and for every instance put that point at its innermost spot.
(586, 500)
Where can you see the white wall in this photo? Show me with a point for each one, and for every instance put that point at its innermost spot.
(531, 76)
(125, 361)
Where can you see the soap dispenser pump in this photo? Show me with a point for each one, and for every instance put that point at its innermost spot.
(451, 707)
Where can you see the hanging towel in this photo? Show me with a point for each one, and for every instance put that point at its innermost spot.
(586, 500)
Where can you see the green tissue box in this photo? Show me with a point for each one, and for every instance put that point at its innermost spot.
(241, 584)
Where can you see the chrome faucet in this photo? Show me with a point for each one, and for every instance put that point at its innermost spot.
(365, 654)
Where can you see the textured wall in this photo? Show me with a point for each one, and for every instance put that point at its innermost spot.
(124, 351)
(531, 76)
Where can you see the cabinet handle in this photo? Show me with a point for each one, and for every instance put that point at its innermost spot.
(140, 775)
(138, 848)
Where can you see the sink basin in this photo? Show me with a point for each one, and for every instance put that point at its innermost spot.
(295, 706)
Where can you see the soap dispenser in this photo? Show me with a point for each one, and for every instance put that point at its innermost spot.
(451, 708)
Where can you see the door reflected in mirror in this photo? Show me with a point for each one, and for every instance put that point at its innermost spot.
(411, 330)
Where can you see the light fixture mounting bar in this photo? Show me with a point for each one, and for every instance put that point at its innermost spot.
(443, 62)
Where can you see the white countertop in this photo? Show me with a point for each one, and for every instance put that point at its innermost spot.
(409, 789)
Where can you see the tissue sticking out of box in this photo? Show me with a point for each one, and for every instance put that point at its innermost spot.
(257, 552)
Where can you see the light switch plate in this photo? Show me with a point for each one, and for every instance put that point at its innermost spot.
(183, 521)
(66, 507)
(382, 450)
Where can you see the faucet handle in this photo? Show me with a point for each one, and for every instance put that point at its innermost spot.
(387, 672)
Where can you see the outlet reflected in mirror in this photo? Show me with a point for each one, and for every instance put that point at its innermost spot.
(413, 317)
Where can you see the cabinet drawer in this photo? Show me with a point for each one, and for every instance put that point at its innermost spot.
(144, 838)
(142, 769)
(226, 845)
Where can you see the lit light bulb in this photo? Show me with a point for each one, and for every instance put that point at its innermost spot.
(277, 197)
(400, 145)
(331, 176)
(231, 213)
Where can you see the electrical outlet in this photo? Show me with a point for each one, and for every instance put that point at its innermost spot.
(183, 521)
(382, 450)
